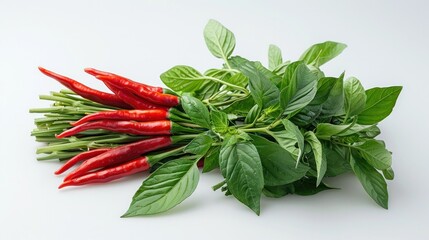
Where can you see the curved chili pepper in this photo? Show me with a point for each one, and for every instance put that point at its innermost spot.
(155, 97)
(133, 100)
(105, 175)
(81, 157)
(87, 92)
(161, 127)
(135, 115)
(120, 154)
(95, 72)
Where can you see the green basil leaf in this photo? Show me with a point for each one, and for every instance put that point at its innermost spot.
(278, 191)
(241, 107)
(370, 132)
(264, 92)
(252, 114)
(326, 130)
(375, 154)
(335, 101)
(307, 186)
(371, 180)
(389, 174)
(241, 166)
(219, 121)
(299, 87)
(354, 97)
(274, 57)
(320, 53)
(279, 166)
(358, 128)
(219, 40)
(379, 104)
(319, 157)
(207, 89)
(182, 79)
(314, 109)
(199, 145)
(238, 79)
(287, 140)
(336, 162)
(293, 129)
(196, 110)
(211, 160)
(162, 190)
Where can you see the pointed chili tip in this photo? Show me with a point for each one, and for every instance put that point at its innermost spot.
(74, 124)
(58, 172)
(90, 71)
(42, 69)
(65, 184)
(61, 135)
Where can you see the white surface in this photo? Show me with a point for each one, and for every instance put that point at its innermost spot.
(387, 45)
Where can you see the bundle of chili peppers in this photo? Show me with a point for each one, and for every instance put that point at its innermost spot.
(145, 114)
(273, 131)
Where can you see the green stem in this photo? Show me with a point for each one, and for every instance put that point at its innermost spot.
(152, 159)
(179, 138)
(219, 185)
(227, 84)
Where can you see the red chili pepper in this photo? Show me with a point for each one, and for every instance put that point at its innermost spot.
(135, 115)
(95, 72)
(133, 100)
(87, 92)
(81, 157)
(155, 97)
(161, 127)
(105, 175)
(120, 154)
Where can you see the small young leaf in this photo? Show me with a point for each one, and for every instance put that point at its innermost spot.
(241, 166)
(371, 180)
(162, 190)
(321, 53)
(319, 157)
(274, 57)
(375, 154)
(219, 40)
(199, 145)
(219, 121)
(279, 166)
(354, 97)
(379, 104)
(196, 110)
(182, 79)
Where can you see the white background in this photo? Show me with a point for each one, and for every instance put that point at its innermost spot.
(387, 45)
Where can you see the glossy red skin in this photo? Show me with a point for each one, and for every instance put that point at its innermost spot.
(163, 99)
(87, 92)
(134, 115)
(120, 155)
(81, 157)
(161, 127)
(106, 175)
(133, 100)
(95, 72)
